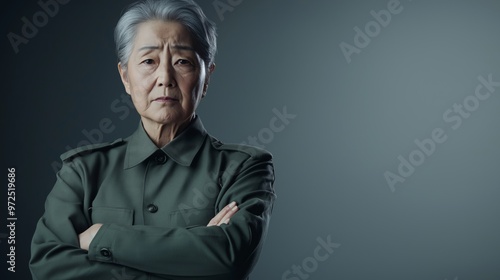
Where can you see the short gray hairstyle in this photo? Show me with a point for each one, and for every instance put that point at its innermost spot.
(185, 12)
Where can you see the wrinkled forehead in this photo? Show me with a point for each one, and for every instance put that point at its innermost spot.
(158, 34)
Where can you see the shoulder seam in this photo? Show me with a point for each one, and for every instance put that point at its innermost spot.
(88, 149)
(246, 149)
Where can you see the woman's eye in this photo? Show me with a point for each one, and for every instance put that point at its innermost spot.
(148, 61)
(183, 62)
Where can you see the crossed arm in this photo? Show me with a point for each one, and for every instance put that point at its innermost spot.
(67, 246)
(223, 217)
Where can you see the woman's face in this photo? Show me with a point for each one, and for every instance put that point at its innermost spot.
(164, 76)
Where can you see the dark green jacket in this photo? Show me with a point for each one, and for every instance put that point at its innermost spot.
(154, 205)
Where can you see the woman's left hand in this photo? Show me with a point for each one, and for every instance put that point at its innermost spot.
(224, 215)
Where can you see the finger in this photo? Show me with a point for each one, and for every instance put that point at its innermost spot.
(229, 214)
(219, 217)
(82, 239)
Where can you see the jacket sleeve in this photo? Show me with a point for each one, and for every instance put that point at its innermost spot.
(146, 252)
(55, 249)
(218, 252)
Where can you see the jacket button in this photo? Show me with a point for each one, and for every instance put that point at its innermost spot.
(160, 158)
(152, 208)
(105, 252)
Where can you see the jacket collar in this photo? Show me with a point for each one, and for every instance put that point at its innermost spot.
(182, 149)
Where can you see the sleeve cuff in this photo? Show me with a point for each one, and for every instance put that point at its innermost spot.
(101, 247)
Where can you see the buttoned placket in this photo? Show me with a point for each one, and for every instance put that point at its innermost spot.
(152, 182)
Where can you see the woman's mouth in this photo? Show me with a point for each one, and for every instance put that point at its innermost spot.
(166, 99)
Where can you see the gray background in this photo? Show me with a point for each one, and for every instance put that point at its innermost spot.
(352, 122)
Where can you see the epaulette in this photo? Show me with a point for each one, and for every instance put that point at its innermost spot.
(249, 150)
(83, 150)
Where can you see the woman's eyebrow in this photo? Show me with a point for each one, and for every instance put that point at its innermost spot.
(148, 48)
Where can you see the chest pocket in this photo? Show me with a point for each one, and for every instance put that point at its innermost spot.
(190, 217)
(108, 215)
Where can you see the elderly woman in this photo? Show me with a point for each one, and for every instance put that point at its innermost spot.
(170, 201)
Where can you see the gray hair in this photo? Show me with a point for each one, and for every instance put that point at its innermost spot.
(186, 12)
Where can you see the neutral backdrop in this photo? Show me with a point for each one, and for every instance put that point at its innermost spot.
(356, 117)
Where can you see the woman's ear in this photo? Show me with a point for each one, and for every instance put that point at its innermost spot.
(124, 76)
(211, 69)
